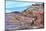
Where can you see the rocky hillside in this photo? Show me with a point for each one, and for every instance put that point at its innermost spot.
(31, 18)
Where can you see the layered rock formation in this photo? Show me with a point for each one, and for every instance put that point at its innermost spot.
(31, 18)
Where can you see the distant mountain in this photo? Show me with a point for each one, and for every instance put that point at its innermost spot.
(15, 12)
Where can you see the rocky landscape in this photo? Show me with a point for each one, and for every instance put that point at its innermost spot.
(29, 19)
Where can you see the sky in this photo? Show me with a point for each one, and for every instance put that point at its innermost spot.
(12, 6)
(18, 0)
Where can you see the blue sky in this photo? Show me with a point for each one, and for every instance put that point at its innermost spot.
(12, 6)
